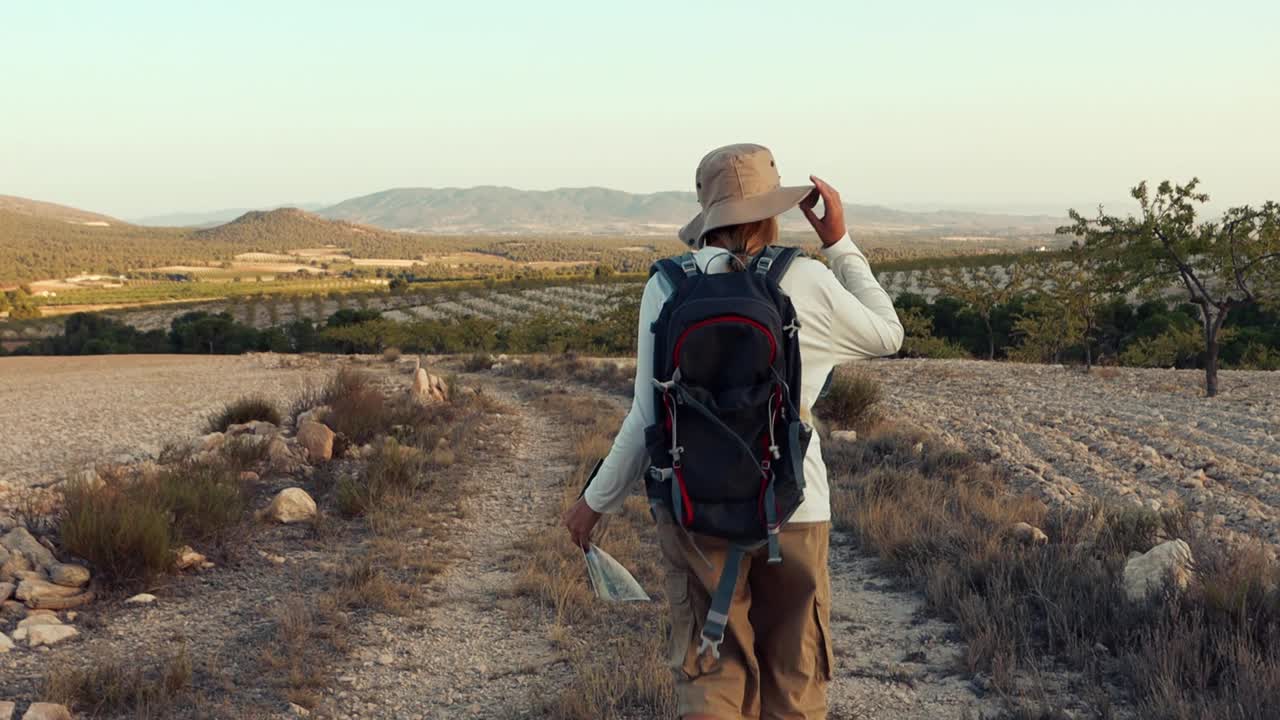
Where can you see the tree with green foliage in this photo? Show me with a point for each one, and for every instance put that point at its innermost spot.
(982, 290)
(1221, 265)
(1064, 297)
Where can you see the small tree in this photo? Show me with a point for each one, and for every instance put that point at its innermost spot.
(1066, 296)
(982, 290)
(1220, 264)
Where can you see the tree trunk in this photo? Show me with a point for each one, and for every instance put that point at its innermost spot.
(1211, 368)
(991, 339)
(1212, 326)
(1088, 356)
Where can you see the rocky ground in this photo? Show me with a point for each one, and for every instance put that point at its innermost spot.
(1146, 437)
(60, 414)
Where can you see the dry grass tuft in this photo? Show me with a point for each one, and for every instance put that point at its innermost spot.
(359, 410)
(246, 409)
(608, 375)
(112, 686)
(851, 402)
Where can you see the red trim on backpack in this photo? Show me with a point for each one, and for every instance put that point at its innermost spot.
(773, 342)
(684, 495)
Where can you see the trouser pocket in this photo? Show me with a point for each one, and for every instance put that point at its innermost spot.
(826, 660)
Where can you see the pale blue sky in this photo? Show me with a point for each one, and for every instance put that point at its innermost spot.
(135, 108)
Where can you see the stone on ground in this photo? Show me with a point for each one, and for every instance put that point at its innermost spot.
(315, 414)
(19, 540)
(317, 438)
(5, 646)
(141, 599)
(188, 558)
(68, 575)
(291, 505)
(47, 711)
(32, 591)
(1028, 534)
(428, 388)
(1150, 572)
(844, 435)
(6, 590)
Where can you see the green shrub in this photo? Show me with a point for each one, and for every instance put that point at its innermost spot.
(122, 531)
(246, 409)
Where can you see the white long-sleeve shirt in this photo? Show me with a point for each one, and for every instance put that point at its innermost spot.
(844, 315)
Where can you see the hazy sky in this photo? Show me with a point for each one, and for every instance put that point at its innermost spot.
(135, 108)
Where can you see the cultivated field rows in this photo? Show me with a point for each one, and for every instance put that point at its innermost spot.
(1140, 436)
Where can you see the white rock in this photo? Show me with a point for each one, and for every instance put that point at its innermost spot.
(141, 599)
(6, 590)
(38, 635)
(47, 711)
(844, 435)
(5, 646)
(317, 438)
(1151, 571)
(1028, 534)
(291, 505)
(188, 558)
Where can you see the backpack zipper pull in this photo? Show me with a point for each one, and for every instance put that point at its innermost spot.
(792, 328)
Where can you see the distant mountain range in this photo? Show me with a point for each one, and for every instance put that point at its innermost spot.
(492, 209)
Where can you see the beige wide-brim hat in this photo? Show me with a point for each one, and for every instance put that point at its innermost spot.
(739, 184)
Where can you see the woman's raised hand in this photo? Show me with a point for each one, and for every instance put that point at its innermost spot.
(830, 227)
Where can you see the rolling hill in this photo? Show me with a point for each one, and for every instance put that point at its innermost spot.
(492, 209)
(52, 211)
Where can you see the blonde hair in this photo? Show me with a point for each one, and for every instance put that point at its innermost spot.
(746, 239)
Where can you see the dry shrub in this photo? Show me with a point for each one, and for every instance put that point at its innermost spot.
(477, 362)
(110, 686)
(307, 634)
(246, 409)
(204, 499)
(359, 410)
(392, 468)
(244, 451)
(126, 528)
(391, 355)
(941, 518)
(850, 402)
(123, 533)
(608, 375)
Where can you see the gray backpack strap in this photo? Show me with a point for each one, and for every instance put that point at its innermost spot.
(773, 261)
(675, 269)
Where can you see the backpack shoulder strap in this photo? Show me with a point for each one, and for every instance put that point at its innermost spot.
(773, 261)
(675, 269)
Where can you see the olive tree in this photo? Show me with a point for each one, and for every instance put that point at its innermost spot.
(1220, 264)
(981, 290)
(1065, 294)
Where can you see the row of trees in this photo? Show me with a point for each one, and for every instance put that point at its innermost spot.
(1224, 268)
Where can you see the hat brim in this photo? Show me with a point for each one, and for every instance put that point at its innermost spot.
(743, 210)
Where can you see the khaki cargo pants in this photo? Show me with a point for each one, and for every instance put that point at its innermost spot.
(776, 660)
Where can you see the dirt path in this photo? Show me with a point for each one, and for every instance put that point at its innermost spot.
(463, 656)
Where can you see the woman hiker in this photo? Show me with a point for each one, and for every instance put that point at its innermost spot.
(775, 658)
